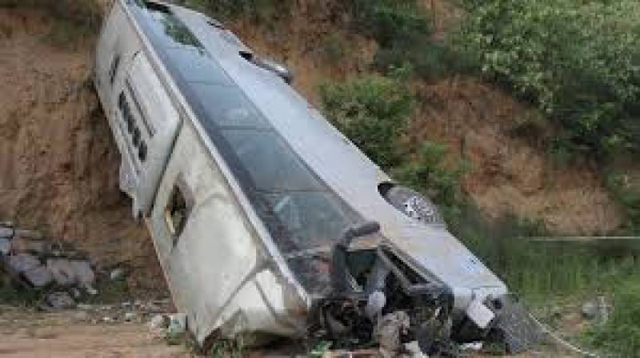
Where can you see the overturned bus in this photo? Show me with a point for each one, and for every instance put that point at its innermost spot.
(266, 219)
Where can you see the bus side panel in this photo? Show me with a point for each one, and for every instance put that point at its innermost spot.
(117, 45)
(215, 269)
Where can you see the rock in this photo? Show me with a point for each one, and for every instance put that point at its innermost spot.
(130, 316)
(39, 276)
(22, 262)
(83, 272)
(29, 234)
(590, 310)
(60, 300)
(36, 247)
(5, 246)
(177, 324)
(117, 274)
(6, 232)
(159, 322)
(63, 272)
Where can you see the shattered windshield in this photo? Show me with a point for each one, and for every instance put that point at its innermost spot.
(294, 200)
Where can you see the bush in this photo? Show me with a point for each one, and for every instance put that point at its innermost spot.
(372, 111)
(579, 61)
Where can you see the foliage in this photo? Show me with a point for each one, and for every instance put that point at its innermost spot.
(402, 31)
(226, 348)
(429, 173)
(389, 21)
(372, 111)
(579, 61)
(621, 334)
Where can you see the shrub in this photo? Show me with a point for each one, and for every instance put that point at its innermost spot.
(372, 111)
(579, 61)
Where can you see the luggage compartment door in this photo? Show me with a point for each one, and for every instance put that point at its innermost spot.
(150, 122)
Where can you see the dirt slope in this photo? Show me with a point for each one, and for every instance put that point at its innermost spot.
(58, 161)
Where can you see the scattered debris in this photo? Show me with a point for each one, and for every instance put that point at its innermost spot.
(177, 324)
(389, 330)
(60, 300)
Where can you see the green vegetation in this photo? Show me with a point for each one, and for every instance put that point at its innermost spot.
(372, 111)
(620, 336)
(403, 32)
(578, 61)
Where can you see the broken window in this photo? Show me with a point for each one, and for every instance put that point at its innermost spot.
(114, 69)
(176, 212)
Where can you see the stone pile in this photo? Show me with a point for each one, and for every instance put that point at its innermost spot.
(38, 263)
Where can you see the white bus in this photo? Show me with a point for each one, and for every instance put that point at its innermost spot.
(265, 218)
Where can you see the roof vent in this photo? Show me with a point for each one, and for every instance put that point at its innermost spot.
(280, 70)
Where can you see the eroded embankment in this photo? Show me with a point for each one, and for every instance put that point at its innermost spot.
(58, 161)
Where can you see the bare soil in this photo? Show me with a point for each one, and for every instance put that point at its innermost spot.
(29, 334)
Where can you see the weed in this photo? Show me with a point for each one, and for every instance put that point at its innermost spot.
(226, 349)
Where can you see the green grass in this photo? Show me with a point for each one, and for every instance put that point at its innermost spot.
(620, 336)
